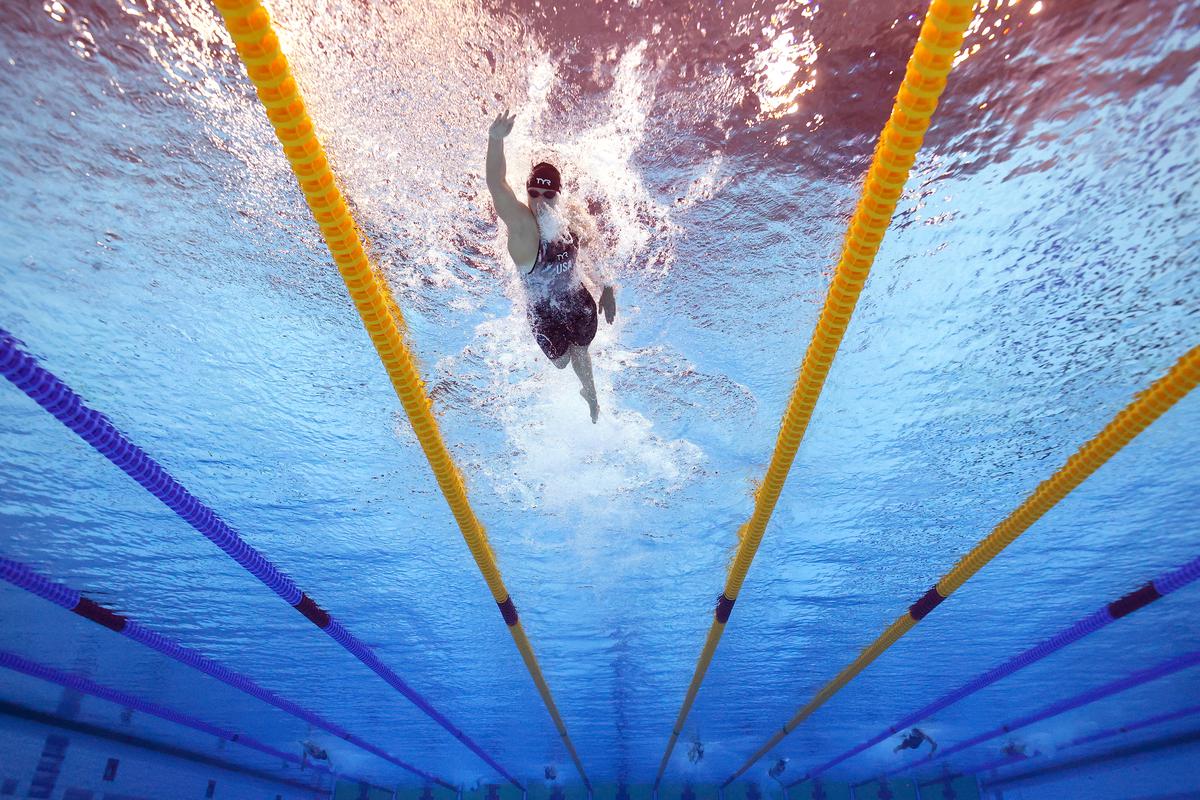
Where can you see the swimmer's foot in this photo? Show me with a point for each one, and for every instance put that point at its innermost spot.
(593, 406)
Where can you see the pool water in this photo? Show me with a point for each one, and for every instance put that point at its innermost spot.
(1041, 270)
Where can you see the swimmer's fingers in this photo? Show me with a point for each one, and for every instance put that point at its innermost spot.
(502, 125)
(608, 304)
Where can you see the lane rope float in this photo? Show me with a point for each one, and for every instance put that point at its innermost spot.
(924, 80)
(1162, 670)
(1103, 617)
(87, 686)
(67, 407)
(253, 35)
(1130, 421)
(63, 596)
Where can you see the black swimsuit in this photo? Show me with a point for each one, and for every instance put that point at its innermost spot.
(562, 311)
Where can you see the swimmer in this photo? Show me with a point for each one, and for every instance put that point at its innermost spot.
(778, 769)
(696, 751)
(544, 237)
(315, 752)
(914, 739)
(1015, 749)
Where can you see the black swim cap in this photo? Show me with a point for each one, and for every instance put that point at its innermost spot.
(544, 176)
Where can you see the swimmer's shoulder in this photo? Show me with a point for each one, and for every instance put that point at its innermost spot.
(523, 245)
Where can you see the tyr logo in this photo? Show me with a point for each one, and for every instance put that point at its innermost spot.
(544, 182)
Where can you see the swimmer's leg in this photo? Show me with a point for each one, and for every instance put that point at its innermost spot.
(581, 362)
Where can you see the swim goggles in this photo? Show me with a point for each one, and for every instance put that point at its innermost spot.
(549, 194)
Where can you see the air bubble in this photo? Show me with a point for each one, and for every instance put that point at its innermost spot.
(57, 10)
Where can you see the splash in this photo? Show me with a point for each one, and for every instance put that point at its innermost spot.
(556, 460)
(561, 462)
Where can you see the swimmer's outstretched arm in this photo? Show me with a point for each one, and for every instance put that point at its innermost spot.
(510, 209)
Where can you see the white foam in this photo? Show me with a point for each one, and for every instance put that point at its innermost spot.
(558, 461)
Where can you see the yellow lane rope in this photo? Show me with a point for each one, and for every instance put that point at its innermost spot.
(249, 25)
(1128, 423)
(937, 44)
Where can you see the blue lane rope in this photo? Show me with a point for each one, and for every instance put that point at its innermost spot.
(87, 686)
(1161, 670)
(67, 407)
(21, 575)
(1161, 586)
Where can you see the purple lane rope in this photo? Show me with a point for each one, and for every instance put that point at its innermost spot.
(1157, 719)
(1138, 678)
(95, 428)
(995, 763)
(1159, 587)
(1107, 733)
(21, 575)
(87, 686)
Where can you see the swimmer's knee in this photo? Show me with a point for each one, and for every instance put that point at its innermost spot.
(562, 361)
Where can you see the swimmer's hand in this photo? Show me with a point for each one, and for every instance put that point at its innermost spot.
(502, 126)
(608, 304)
